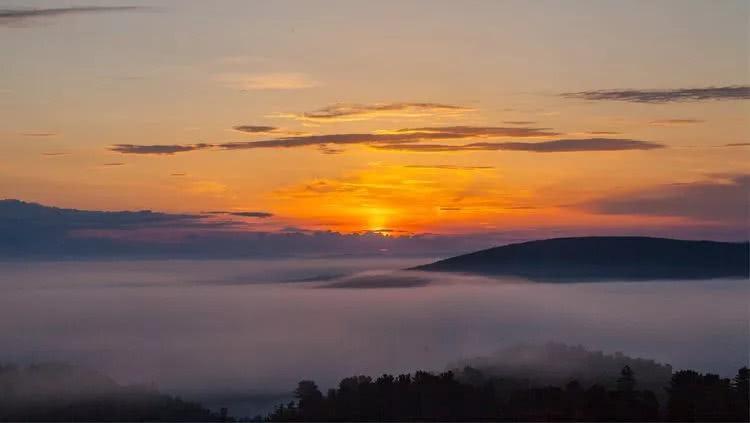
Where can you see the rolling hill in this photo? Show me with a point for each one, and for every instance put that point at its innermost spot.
(604, 258)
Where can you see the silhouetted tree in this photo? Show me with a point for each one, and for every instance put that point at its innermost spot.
(441, 397)
(697, 397)
(626, 381)
(310, 400)
(741, 402)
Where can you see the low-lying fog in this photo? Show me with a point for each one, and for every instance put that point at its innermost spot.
(213, 327)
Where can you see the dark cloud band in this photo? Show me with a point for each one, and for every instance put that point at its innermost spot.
(401, 136)
(731, 92)
(339, 112)
(255, 129)
(15, 15)
(721, 200)
(157, 149)
(554, 146)
(256, 214)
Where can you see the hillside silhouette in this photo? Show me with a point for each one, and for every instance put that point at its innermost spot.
(424, 396)
(557, 363)
(604, 258)
(60, 392)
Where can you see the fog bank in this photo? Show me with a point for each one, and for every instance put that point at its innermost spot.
(220, 327)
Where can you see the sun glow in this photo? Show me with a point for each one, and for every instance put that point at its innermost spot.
(378, 218)
(388, 199)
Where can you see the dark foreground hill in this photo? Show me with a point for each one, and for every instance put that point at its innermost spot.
(605, 258)
(473, 395)
(57, 392)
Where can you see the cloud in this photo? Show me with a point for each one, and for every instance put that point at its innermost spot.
(267, 81)
(178, 174)
(38, 134)
(263, 129)
(255, 129)
(553, 146)
(54, 153)
(257, 214)
(409, 139)
(8, 16)
(40, 231)
(724, 199)
(343, 112)
(69, 219)
(157, 149)
(731, 92)
(401, 136)
(572, 145)
(672, 122)
(114, 164)
(737, 144)
(519, 122)
(308, 140)
(326, 149)
(403, 279)
(457, 132)
(601, 133)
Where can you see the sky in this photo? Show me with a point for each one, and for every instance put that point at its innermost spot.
(390, 117)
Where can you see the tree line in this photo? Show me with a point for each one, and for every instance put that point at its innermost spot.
(423, 396)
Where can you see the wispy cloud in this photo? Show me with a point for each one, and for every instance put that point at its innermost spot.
(255, 129)
(263, 129)
(343, 112)
(38, 134)
(723, 199)
(53, 153)
(254, 214)
(9, 16)
(157, 149)
(326, 149)
(737, 144)
(456, 132)
(401, 136)
(674, 122)
(731, 92)
(553, 146)
(600, 133)
(267, 81)
(114, 164)
(260, 215)
(413, 139)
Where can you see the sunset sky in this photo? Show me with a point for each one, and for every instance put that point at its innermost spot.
(398, 117)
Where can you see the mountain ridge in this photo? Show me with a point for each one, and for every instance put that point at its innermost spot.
(604, 258)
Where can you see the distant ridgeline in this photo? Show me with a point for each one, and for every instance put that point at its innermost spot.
(605, 258)
(58, 392)
(557, 364)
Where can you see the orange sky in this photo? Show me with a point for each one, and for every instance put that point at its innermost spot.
(425, 117)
